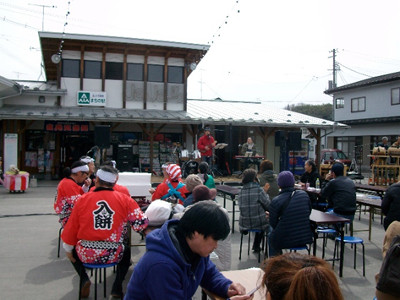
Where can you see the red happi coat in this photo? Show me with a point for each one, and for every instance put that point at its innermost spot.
(97, 225)
(68, 192)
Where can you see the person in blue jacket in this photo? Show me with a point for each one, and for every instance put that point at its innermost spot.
(177, 258)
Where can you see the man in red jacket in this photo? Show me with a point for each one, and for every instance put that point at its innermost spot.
(96, 231)
(205, 144)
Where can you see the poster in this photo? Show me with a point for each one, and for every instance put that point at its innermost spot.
(10, 150)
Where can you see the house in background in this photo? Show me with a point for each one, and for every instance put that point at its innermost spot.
(371, 108)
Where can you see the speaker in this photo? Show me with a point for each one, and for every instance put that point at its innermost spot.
(279, 138)
(102, 136)
(294, 140)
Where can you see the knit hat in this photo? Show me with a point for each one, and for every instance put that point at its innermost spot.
(192, 181)
(285, 179)
(202, 192)
(174, 172)
(158, 212)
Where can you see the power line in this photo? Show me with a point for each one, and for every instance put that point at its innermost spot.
(354, 70)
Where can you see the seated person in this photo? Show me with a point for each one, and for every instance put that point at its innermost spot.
(177, 258)
(173, 190)
(96, 229)
(207, 179)
(391, 205)
(397, 142)
(249, 150)
(301, 277)
(310, 175)
(268, 176)
(289, 217)
(191, 182)
(340, 192)
(165, 176)
(253, 204)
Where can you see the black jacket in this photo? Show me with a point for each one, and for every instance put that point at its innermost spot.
(391, 205)
(310, 178)
(341, 195)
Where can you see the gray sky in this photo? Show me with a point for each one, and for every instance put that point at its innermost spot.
(272, 51)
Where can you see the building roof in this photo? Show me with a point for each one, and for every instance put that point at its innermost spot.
(211, 112)
(9, 88)
(53, 43)
(366, 82)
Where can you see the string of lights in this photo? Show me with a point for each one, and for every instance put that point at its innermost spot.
(235, 10)
(60, 48)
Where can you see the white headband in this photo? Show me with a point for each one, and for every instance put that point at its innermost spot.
(87, 159)
(106, 176)
(83, 168)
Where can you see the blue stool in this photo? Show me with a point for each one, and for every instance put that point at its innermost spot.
(325, 231)
(353, 240)
(96, 267)
(248, 243)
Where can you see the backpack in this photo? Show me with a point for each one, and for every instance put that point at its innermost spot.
(389, 275)
(173, 194)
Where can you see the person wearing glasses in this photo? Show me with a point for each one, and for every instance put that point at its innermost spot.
(69, 189)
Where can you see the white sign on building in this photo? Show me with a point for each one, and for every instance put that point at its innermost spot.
(91, 98)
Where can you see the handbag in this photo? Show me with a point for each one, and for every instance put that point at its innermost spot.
(389, 275)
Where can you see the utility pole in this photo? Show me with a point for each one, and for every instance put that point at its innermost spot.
(334, 69)
(43, 7)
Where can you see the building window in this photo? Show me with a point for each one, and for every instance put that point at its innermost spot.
(70, 68)
(339, 103)
(358, 104)
(155, 73)
(396, 96)
(175, 74)
(114, 70)
(135, 72)
(92, 69)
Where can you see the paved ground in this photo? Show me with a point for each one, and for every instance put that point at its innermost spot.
(31, 269)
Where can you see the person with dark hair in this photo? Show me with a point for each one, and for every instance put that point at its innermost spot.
(253, 204)
(268, 176)
(177, 258)
(96, 230)
(117, 187)
(340, 192)
(205, 144)
(294, 276)
(289, 217)
(391, 205)
(70, 188)
(310, 175)
(207, 179)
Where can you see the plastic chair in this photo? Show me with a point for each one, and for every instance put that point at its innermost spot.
(353, 240)
(248, 243)
(325, 231)
(295, 249)
(96, 267)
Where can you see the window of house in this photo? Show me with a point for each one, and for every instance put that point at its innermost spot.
(175, 74)
(395, 96)
(155, 73)
(358, 104)
(339, 103)
(135, 72)
(92, 69)
(70, 68)
(114, 70)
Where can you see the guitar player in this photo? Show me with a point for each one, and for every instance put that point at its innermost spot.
(205, 144)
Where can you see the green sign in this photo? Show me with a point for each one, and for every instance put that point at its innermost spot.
(91, 98)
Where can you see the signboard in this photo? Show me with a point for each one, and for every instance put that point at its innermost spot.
(67, 126)
(10, 150)
(91, 98)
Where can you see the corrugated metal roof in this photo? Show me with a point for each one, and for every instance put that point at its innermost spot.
(211, 112)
